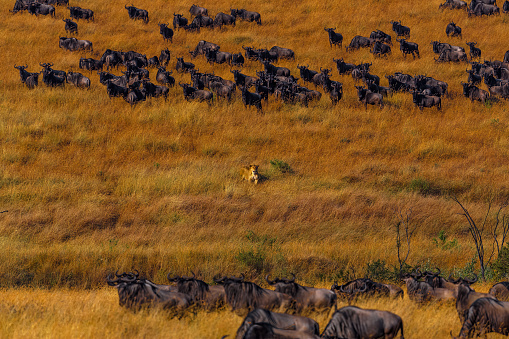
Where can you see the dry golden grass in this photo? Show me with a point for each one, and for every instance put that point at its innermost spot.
(92, 185)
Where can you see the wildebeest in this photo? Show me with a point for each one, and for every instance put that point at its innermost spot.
(474, 51)
(283, 53)
(164, 77)
(237, 59)
(203, 21)
(42, 9)
(191, 93)
(474, 93)
(400, 30)
(251, 99)
(465, 298)
(153, 62)
(73, 44)
(31, 80)
(224, 19)
(358, 42)
(81, 13)
(203, 294)
(247, 15)
(221, 90)
(355, 322)
(484, 316)
(202, 46)
(505, 6)
(343, 67)
(448, 55)
(306, 298)
(153, 90)
(70, 26)
(368, 97)
(135, 293)
(193, 27)
(115, 90)
(335, 39)
(164, 58)
(78, 79)
(137, 13)
(183, 66)
(380, 49)
(422, 100)
(408, 48)
(271, 69)
(361, 287)
(473, 78)
(278, 320)
(421, 291)
(336, 93)
(243, 295)
(481, 9)
(306, 74)
(90, 64)
(166, 32)
(251, 53)
(242, 79)
(453, 30)
(500, 291)
(439, 47)
(453, 4)
(197, 10)
(179, 21)
(216, 56)
(381, 36)
(51, 77)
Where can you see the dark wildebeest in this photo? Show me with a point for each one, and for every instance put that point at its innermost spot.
(465, 298)
(183, 66)
(135, 95)
(207, 296)
(500, 291)
(453, 4)
(306, 74)
(237, 59)
(278, 320)
(474, 93)
(191, 93)
(335, 39)
(473, 78)
(81, 13)
(215, 56)
(197, 10)
(70, 26)
(484, 316)
(453, 30)
(380, 49)
(42, 9)
(111, 58)
(90, 64)
(251, 99)
(252, 55)
(368, 97)
(361, 287)
(358, 42)
(274, 70)
(381, 36)
(243, 295)
(166, 32)
(439, 47)
(135, 293)
(321, 78)
(154, 91)
(408, 48)
(283, 53)
(73, 44)
(224, 19)
(243, 80)
(153, 62)
(202, 46)
(164, 58)
(306, 298)
(448, 55)
(51, 77)
(31, 80)
(247, 15)
(115, 90)
(421, 291)
(400, 30)
(505, 6)
(336, 93)
(193, 27)
(481, 9)
(343, 67)
(203, 21)
(474, 51)
(179, 21)
(355, 322)
(164, 77)
(78, 80)
(422, 100)
(221, 90)
(137, 13)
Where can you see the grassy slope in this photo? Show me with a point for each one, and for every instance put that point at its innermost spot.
(92, 185)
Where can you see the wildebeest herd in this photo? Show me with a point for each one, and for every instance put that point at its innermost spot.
(134, 85)
(279, 313)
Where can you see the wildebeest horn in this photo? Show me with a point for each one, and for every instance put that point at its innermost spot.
(471, 281)
(270, 282)
(175, 278)
(293, 279)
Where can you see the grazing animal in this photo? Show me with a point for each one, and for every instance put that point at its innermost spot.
(381, 36)
(78, 80)
(335, 39)
(278, 320)
(505, 6)
(224, 19)
(449, 55)
(380, 49)
(485, 315)
(474, 51)
(400, 30)
(183, 66)
(283, 53)
(237, 59)
(453, 4)
(41, 9)
(453, 30)
(137, 13)
(422, 100)
(179, 21)
(465, 298)
(202, 46)
(250, 173)
(197, 10)
(164, 77)
(355, 322)
(31, 80)
(166, 32)
(51, 77)
(81, 13)
(306, 298)
(367, 97)
(500, 291)
(70, 26)
(210, 297)
(164, 58)
(191, 93)
(247, 15)
(358, 42)
(408, 48)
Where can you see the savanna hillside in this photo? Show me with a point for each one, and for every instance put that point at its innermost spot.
(92, 185)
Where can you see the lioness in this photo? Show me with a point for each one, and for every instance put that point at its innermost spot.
(250, 173)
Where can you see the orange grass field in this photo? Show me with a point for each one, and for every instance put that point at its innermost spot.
(92, 185)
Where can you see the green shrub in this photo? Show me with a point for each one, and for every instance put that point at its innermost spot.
(501, 265)
(280, 166)
(442, 243)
